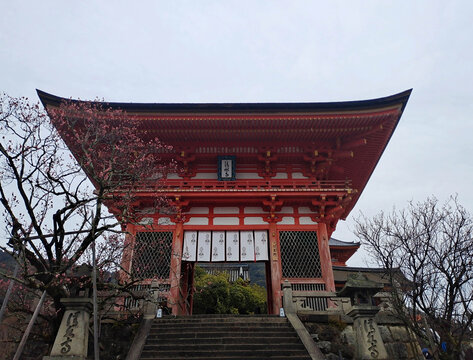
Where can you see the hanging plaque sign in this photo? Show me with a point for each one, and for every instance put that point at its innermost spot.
(226, 168)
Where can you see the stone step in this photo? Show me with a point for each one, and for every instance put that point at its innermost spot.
(219, 322)
(223, 337)
(233, 326)
(226, 339)
(222, 347)
(230, 357)
(211, 354)
(284, 333)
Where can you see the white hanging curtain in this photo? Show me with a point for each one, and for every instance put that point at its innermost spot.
(261, 245)
(218, 246)
(190, 246)
(203, 246)
(232, 246)
(247, 246)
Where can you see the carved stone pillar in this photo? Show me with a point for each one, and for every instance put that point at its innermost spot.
(369, 344)
(72, 338)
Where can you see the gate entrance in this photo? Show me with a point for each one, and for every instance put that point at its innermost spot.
(230, 258)
(230, 288)
(262, 182)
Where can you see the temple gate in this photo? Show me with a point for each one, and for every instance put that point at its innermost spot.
(258, 182)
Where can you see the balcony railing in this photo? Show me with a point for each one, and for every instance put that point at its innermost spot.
(275, 185)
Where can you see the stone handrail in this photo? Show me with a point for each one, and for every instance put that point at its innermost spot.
(297, 324)
(314, 300)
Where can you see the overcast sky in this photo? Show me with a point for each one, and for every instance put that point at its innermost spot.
(268, 51)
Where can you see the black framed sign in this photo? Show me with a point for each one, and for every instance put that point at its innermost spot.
(226, 168)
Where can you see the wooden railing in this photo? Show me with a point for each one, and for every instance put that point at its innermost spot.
(248, 185)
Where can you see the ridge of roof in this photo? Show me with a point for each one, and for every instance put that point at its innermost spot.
(336, 242)
(362, 269)
(400, 98)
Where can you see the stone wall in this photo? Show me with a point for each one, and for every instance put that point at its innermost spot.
(334, 335)
(115, 339)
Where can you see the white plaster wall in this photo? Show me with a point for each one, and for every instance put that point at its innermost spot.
(306, 220)
(253, 210)
(226, 221)
(207, 176)
(287, 220)
(165, 221)
(226, 210)
(305, 210)
(280, 175)
(254, 221)
(298, 175)
(174, 176)
(198, 221)
(198, 210)
(146, 221)
(246, 175)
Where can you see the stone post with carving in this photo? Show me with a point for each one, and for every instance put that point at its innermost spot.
(72, 338)
(151, 302)
(360, 290)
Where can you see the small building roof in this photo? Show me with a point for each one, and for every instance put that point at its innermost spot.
(340, 243)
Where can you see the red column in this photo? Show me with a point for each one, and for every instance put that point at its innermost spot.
(276, 272)
(325, 258)
(127, 255)
(175, 300)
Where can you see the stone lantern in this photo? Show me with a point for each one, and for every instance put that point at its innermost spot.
(72, 338)
(361, 290)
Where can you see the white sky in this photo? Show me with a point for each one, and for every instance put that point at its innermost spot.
(274, 51)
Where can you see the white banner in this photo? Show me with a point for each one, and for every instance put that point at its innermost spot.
(218, 245)
(247, 246)
(203, 247)
(261, 245)
(190, 246)
(233, 246)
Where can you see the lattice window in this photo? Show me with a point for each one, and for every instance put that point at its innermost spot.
(300, 254)
(152, 255)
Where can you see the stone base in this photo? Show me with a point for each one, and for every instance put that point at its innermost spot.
(64, 357)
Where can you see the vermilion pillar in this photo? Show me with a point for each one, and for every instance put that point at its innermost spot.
(325, 258)
(127, 255)
(174, 299)
(276, 273)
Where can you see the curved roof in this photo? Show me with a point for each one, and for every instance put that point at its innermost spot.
(358, 130)
(291, 107)
(340, 243)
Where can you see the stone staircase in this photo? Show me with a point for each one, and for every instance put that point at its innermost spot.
(223, 337)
